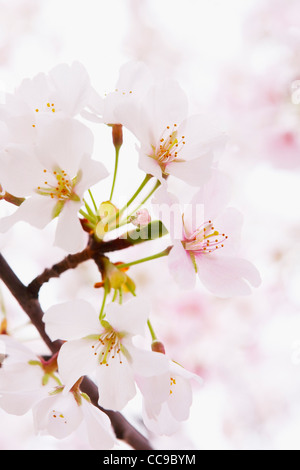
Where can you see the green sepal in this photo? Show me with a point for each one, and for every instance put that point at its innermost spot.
(57, 209)
(155, 229)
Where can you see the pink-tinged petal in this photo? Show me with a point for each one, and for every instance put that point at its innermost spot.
(201, 136)
(71, 85)
(215, 194)
(115, 384)
(150, 166)
(230, 222)
(75, 359)
(227, 276)
(167, 209)
(63, 143)
(69, 234)
(130, 317)
(74, 319)
(194, 172)
(98, 426)
(181, 266)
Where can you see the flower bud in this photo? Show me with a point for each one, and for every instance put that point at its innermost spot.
(141, 218)
(157, 346)
(117, 135)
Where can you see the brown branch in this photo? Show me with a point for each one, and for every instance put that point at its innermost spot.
(31, 306)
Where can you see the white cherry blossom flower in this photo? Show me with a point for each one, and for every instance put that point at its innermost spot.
(133, 82)
(23, 378)
(61, 414)
(167, 399)
(103, 348)
(64, 92)
(172, 142)
(206, 240)
(53, 178)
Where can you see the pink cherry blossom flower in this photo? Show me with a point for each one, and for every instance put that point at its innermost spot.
(141, 218)
(104, 349)
(53, 178)
(206, 241)
(171, 141)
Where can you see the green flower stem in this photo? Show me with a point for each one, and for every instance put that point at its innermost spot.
(157, 185)
(115, 172)
(89, 217)
(93, 201)
(148, 258)
(153, 335)
(135, 195)
(106, 288)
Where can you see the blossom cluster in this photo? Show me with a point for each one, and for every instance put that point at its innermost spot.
(48, 170)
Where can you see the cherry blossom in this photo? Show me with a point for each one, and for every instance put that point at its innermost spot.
(206, 240)
(103, 348)
(64, 92)
(172, 142)
(24, 378)
(60, 414)
(167, 399)
(132, 84)
(53, 178)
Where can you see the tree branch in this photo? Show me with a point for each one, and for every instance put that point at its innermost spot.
(31, 306)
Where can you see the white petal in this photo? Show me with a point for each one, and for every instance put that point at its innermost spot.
(58, 415)
(75, 359)
(115, 384)
(92, 173)
(98, 425)
(148, 363)
(163, 423)
(180, 399)
(63, 143)
(71, 320)
(72, 87)
(69, 234)
(21, 172)
(165, 104)
(129, 317)
(18, 403)
(36, 210)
